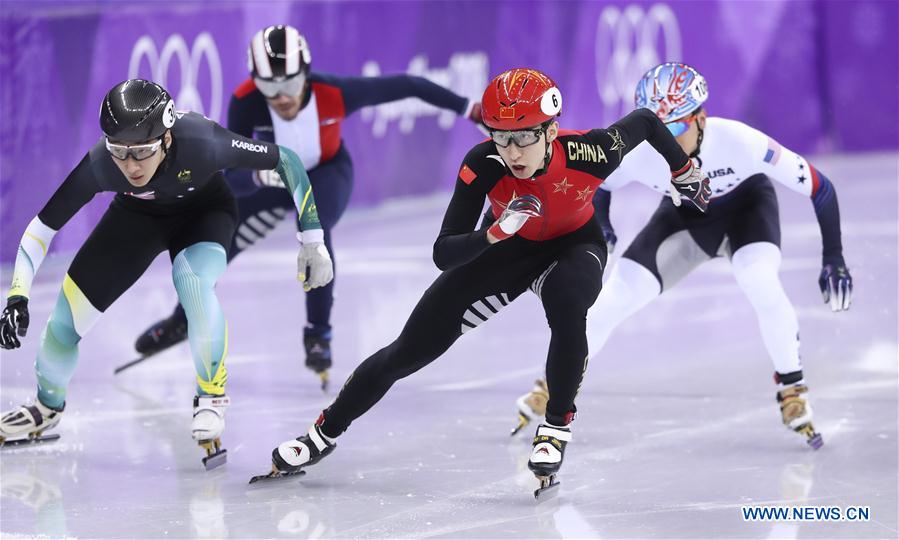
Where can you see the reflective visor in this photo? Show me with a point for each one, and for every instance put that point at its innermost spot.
(522, 138)
(679, 127)
(289, 87)
(139, 152)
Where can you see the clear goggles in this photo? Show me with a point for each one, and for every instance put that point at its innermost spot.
(679, 127)
(289, 87)
(521, 138)
(138, 152)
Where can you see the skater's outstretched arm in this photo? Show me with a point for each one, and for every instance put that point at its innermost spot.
(253, 154)
(796, 173)
(76, 191)
(642, 125)
(313, 253)
(361, 92)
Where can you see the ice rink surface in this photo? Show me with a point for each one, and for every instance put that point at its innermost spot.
(672, 437)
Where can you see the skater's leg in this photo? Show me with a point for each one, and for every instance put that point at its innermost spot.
(195, 270)
(115, 255)
(200, 258)
(756, 267)
(434, 325)
(458, 301)
(567, 290)
(664, 251)
(259, 212)
(630, 287)
(71, 319)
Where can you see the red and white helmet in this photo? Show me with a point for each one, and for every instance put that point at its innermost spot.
(278, 53)
(520, 98)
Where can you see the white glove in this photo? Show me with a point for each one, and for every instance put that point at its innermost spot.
(314, 256)
(267, 179)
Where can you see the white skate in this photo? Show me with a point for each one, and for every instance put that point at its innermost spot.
(26, 424)
(207, 427)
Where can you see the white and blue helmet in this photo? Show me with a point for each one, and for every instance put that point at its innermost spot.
(672, 91)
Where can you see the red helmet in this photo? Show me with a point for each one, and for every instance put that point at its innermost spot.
(520, 98)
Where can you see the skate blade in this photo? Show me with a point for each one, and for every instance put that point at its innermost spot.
(814, 439)
(522, 422)
(216, 456)
(549, 487)
(274, 475)
(38, 439)
(132, 363)
(326, 379)
(216, 459)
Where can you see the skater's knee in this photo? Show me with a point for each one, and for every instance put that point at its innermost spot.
(198, 267)
(394, 362)
(566, 313)
(72, 317)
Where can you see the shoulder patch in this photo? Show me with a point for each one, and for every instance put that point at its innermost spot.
(467, 175)
(245, 88)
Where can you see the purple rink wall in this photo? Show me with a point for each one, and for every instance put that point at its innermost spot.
(819, 76)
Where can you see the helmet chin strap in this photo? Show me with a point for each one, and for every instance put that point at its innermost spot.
(699, 135)
(547, 155)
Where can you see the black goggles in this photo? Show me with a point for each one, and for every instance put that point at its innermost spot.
(521, 138)
(138, 152)
(289, 87)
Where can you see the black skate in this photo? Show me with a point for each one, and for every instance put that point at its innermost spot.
(159, 337)
(290, 457)
(547, 455)
(318, 355)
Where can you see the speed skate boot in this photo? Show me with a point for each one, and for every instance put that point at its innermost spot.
(207, 427)
(26, 424)
(547, 455)
(318, 352)
(290, 457)
(163, 334)
(796, 411)
(532, 406)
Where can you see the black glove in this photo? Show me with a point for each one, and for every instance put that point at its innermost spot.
(14, 322)
(692, 184)
(610, 237)
(836, 286)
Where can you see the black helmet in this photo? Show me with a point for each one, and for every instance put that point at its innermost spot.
(277, 53)
(136, 110)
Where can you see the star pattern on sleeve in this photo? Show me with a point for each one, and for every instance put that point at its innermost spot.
(617, 142)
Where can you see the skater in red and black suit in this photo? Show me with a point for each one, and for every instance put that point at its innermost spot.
(540, 182)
